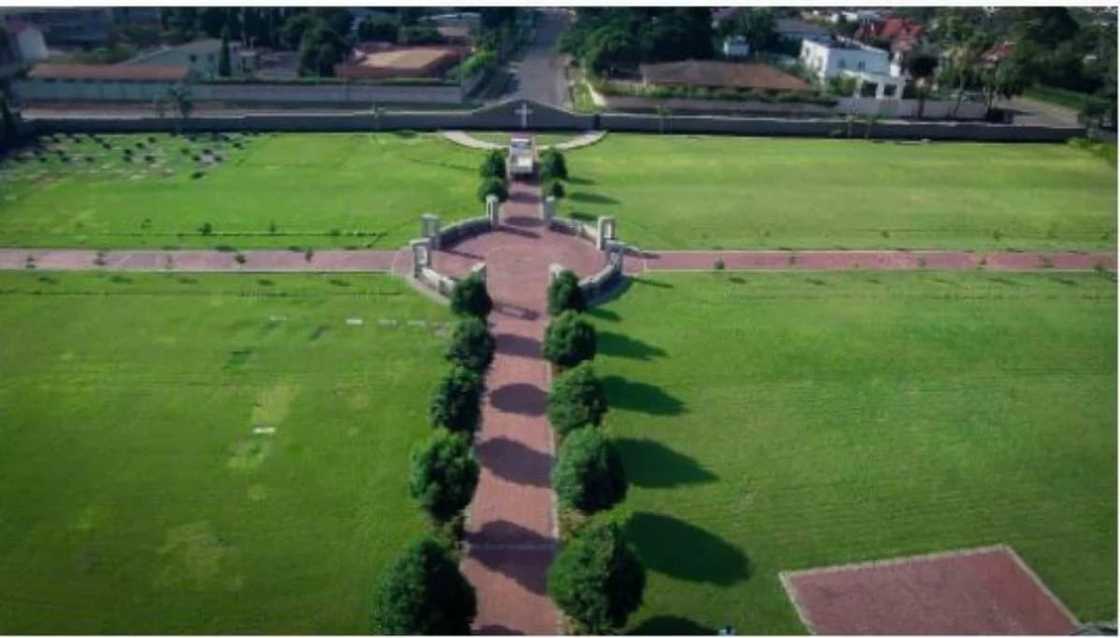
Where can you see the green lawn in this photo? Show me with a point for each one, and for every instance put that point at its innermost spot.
(542, 139)
(137, 497)
(773, 422)
(277, 190)
(692, 192)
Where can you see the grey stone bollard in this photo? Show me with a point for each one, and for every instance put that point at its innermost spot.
(480, 270)
(605, 231)
(421, 255)
(429, 228)
(548, 209)
(492, 210)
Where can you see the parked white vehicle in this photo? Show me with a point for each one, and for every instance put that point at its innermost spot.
(522, 158)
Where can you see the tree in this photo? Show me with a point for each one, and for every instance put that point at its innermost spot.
(456, 402)
(555, 189)
(921, 66)
(568, 340)
(472, 345)
(564, 293)
(493, 165)
(578, 398)
(756, 25)
(597, 580)
(470, 298)
(424, 593)
(553, 165)
(444, 475)
(224, 69)
(159, 105)
(9, 130)
(180, 95)
(378, 30)
(493, 186)
(1003, 80)
(588, 474)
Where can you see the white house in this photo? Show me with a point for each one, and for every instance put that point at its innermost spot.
(25, 40)
(848, 58)
(736, 46)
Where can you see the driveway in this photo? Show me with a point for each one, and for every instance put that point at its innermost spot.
(540, 72)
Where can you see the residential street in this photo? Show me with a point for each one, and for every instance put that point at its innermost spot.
(540, 72)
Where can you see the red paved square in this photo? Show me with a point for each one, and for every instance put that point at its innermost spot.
(989, 590)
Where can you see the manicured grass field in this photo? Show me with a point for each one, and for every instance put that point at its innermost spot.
(137, 497)
(277, 190)
(691, 192)
(773, 421)
(541, 139)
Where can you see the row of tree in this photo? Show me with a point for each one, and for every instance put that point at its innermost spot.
(613, 41)
(424, 592)
(597, 579)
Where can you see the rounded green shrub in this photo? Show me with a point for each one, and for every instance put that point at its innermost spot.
(588, 474)
(564, 294)
(424, 593)
(470, 298)
(569, 340)
(597, 580)
(472, 345)
(492, 186)
(493, 165)
(553, 165)
(555, 189)
(577, 399)
(444, 475)
(456, 402)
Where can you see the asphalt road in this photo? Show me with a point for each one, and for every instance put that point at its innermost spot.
(540, 71)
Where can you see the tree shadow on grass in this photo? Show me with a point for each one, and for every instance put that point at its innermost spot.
(651, 464)
(591, 198)
(682, 550)
(616, 344)
(580, 181)
(603, 313)
(670, 626)
(651, 282)
(635, 396)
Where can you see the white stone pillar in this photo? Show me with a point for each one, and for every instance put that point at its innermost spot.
(492, 210)
(421, 255)
(554, 271)
(605, 231)
(429, 228)
(548, 209)
(480, 270)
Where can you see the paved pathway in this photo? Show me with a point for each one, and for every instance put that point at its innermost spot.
(511, 532)
(636, 262)
(201, 260)
(867, 260)
(579, 141)
(540, 72)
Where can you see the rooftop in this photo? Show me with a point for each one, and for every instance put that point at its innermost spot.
(722, 74)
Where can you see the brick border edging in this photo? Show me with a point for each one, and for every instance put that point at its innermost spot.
(785, 575)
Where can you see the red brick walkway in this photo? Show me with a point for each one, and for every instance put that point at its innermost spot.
(866, 259)
(200, 260)
(511, 533)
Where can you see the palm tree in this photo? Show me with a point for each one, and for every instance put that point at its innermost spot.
(180, 95)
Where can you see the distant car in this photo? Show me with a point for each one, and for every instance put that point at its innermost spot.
(522, 158)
